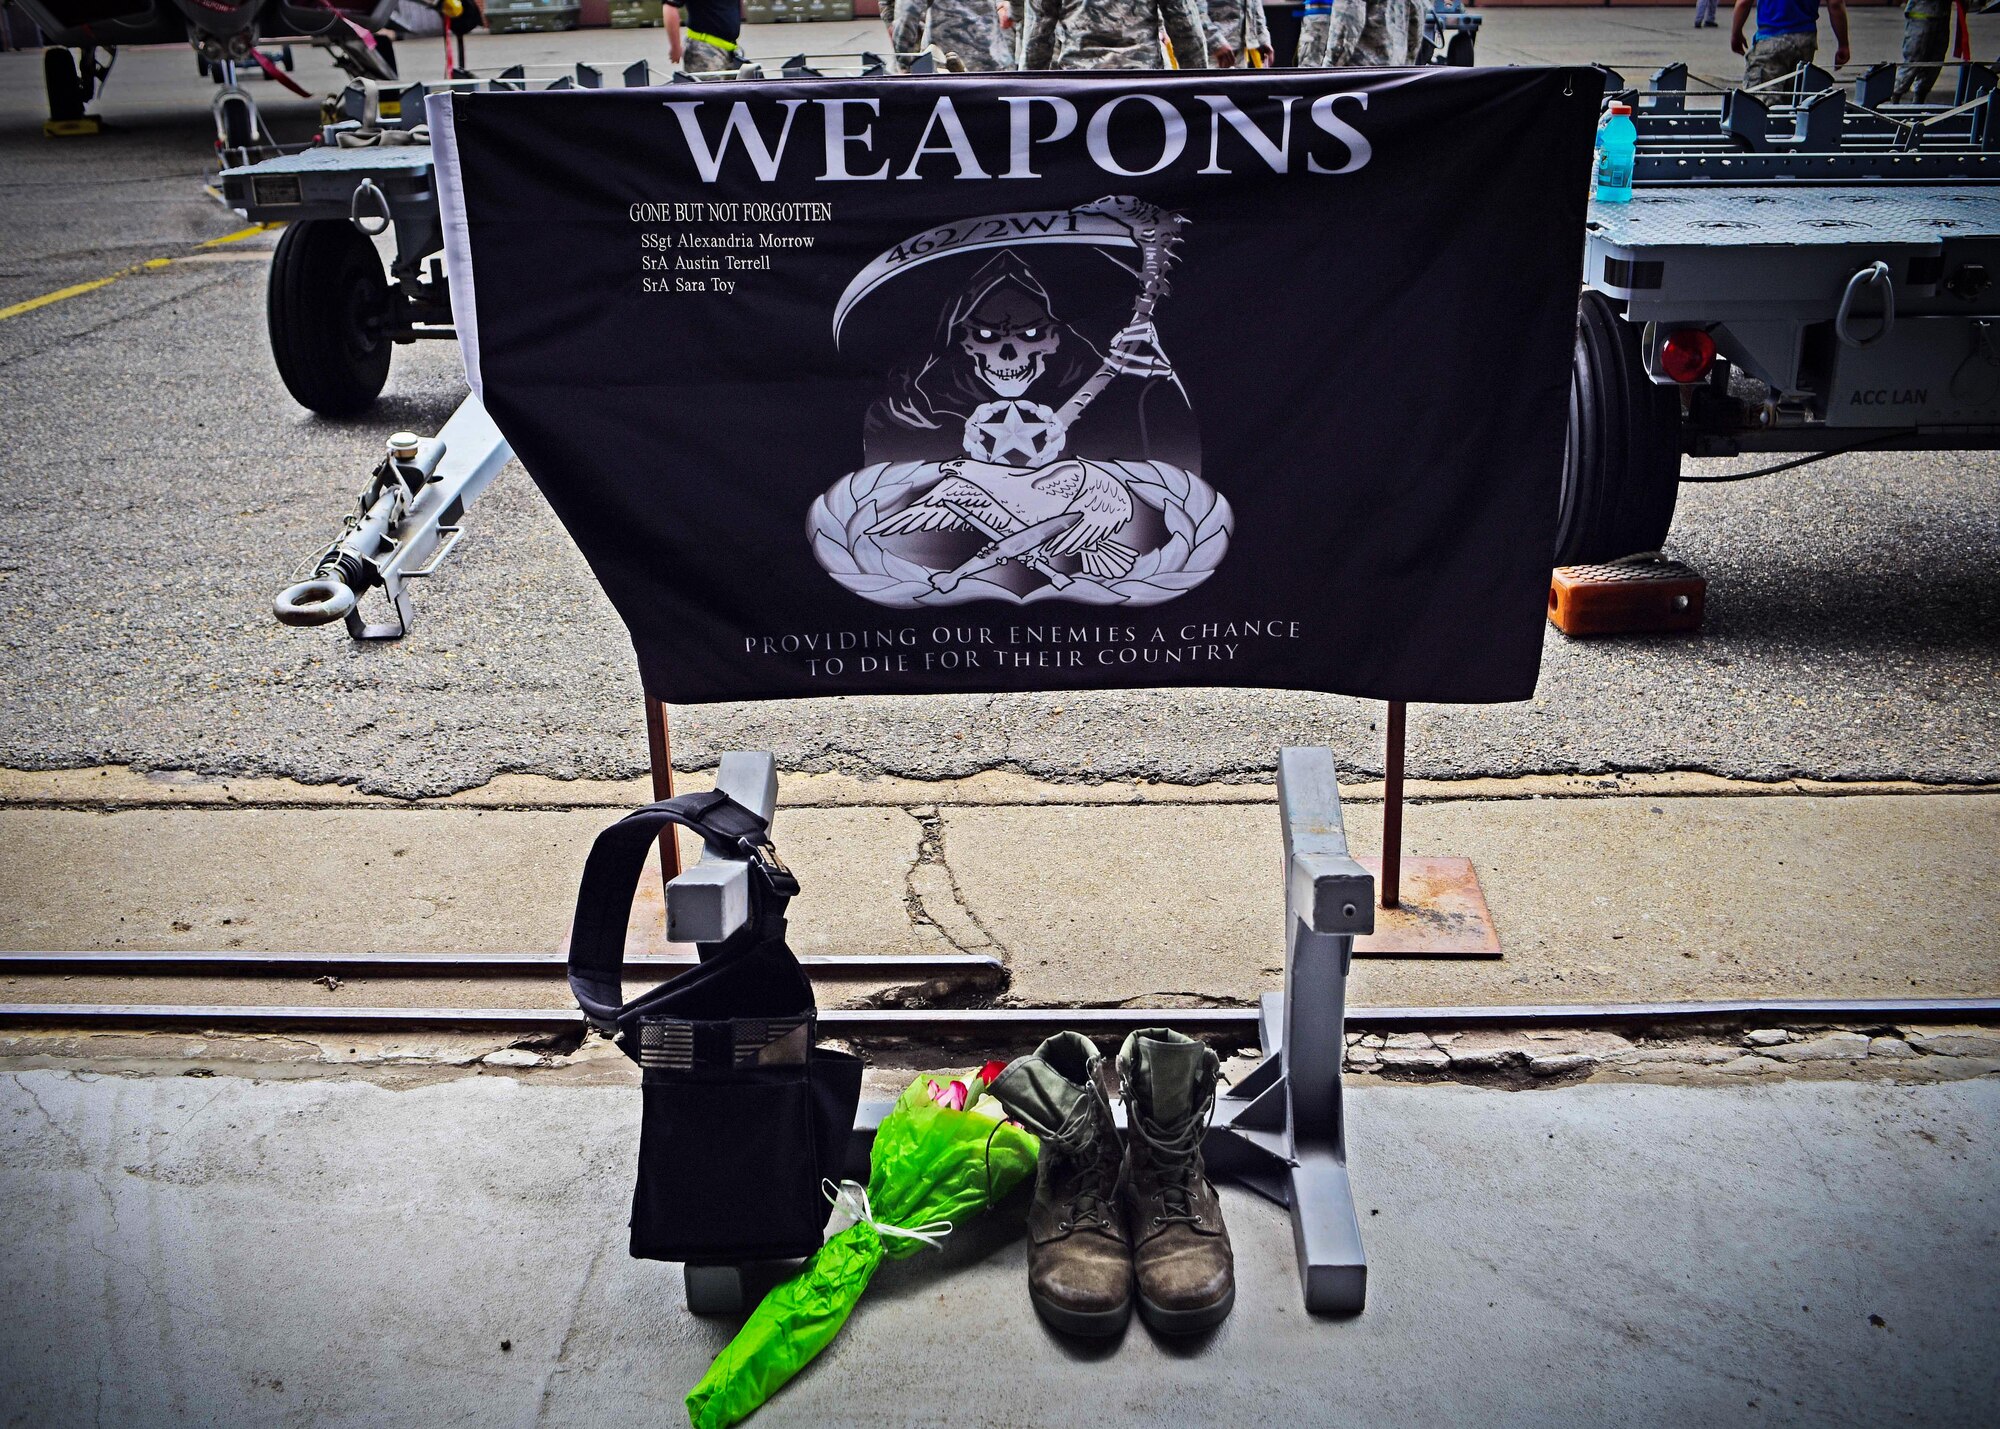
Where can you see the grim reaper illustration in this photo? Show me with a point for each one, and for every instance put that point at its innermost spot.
(1017, 460)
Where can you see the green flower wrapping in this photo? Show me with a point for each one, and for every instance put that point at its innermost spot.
(941, 1156)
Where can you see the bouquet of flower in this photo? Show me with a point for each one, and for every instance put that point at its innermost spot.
(943, 1154)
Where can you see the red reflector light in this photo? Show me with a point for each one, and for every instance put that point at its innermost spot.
(1687, 355)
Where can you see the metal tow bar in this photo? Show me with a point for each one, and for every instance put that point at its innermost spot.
(410, 515)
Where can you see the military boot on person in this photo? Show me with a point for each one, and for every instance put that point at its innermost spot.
(1180, 1248)
(1079, 1263)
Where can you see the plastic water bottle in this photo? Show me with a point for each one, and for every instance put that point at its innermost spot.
(1617, 145)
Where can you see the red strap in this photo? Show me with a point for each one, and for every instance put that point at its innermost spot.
(1962, 50)
(279, 75)
(367, 37)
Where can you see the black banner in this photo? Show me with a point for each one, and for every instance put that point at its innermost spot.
(1035, 382)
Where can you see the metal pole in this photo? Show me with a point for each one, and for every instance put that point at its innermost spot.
(661, 754)
(1392, 808)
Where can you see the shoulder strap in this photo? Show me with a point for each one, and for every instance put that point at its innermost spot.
(611, 876)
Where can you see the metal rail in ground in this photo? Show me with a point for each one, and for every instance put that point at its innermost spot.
(949, 1022)
(421, 965)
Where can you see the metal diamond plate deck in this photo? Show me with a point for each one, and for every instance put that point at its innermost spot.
(324, 159)
(1764, 217)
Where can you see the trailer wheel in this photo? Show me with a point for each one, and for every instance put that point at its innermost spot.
(63, 83)
(1622, 462)
(1458, 49)
(329, 317)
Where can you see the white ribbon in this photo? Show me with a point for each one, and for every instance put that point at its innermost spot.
(851, 1208)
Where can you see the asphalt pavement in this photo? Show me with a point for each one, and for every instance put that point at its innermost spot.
(161, 486)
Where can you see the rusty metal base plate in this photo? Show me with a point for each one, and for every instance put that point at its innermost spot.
(646, 932)
(1443, 913)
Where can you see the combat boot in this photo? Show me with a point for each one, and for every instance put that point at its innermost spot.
(1079, 1262)
(1180, 1248)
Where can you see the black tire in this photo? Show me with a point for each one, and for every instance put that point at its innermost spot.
(1458, 50)
(1622, 462)
(64, 85)
(239, 130)
(329, 317)
(386, 48)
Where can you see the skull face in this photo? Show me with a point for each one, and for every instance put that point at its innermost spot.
(1010, 336)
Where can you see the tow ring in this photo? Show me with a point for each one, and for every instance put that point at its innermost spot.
(381, 217)
(1875, 273)
(319, 601)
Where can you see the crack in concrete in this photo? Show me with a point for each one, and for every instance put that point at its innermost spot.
(112, 1263)
(931, 854)
(569, 1331)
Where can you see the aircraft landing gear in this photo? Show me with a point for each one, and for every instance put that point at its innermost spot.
(71, 85)
(64, 84)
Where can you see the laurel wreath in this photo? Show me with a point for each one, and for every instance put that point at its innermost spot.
(1197, 516)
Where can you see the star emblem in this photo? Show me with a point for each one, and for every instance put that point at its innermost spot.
(999, 430)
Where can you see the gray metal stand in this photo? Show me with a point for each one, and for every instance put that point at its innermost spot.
(1279, 1131)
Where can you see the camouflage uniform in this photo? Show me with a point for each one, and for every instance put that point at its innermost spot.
(1926, 41)
(969, 29)
(698, 55)
(1393, 33)
(1237, 24)
(1383, 32)
(1366, 32)
(1343, 32)
(1775, 56)
(1312, 35)
(1114, 34)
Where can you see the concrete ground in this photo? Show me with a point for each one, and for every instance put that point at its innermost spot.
(1642, 896)
(224, 1251)
(1854, 605)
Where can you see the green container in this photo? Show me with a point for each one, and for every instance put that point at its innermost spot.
(756, 12)
(829, 9)
(637, 14)
(783, 10)
(517, 17)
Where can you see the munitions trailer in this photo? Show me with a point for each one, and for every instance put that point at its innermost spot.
(1801, 268)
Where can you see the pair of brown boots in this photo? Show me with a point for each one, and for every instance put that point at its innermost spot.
(1106, 1214)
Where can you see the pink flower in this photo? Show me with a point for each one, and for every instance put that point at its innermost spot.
(990, 1073)
(952, 1098)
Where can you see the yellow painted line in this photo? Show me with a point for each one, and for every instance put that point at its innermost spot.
(14, 310)
(237, 237)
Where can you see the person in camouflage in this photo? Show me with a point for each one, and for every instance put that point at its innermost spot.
(969, 29)
(710, 36)
(1113, 34)
(1787, 36)
(1392, 33)
(1926, 41)
(1366, 32)
(1312, 34)
(1775, 56)
(1238, 30)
